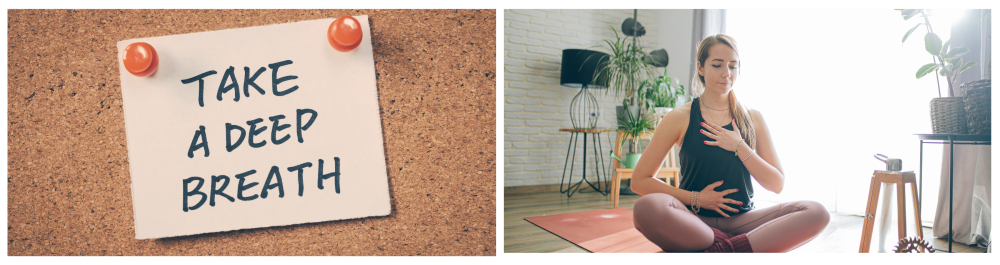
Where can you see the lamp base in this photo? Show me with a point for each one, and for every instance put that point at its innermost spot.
(584, 110)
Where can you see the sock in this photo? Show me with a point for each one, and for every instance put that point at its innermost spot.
(729, 243)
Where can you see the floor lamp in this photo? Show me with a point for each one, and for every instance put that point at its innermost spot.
(579, 69)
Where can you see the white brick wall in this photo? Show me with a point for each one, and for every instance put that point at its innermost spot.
(536, 105)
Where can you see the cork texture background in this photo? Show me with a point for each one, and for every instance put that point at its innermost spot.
(68, 182)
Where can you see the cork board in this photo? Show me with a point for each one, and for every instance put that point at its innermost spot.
(68, 169)
(323, 98)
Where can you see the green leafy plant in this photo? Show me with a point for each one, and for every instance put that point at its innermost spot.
(947, 59)
(662, 92)
(633, 126)
(625, 69)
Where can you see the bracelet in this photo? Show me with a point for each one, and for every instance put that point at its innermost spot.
(692, 202)
(695, 201)
(748, 155)
(736, 153)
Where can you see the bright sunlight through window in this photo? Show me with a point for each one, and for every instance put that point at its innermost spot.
(836, 87)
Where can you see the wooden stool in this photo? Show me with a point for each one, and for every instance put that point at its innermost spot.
(899, 178)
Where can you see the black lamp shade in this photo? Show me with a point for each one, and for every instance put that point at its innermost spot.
(579, 67)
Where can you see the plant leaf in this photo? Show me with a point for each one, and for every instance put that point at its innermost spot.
(911, 31)
(932, 43)
(944, 48)
(926, 69)
(950, 67)
(625, 69)
(957, 52)
(967, 66)
(943, 72)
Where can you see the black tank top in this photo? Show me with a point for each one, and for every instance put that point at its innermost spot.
(703, 164)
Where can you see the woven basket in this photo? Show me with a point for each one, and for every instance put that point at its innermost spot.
(948, 115)
(977, 106)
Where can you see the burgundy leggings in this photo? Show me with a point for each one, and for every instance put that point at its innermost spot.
(664, 220)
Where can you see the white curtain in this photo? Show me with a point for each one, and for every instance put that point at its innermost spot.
(971, 215)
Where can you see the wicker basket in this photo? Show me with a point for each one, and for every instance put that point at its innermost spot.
(948, 115)
(977, 106)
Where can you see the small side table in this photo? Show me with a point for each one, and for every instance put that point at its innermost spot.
(571, 188)
(951, 140)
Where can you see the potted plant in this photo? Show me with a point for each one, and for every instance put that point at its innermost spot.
(947, 113)
(626, 69)
(661, 94)
(633, 127)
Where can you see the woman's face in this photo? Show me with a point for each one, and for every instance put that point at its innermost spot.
(720, 69)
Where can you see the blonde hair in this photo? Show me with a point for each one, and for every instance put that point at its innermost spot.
(739, 112)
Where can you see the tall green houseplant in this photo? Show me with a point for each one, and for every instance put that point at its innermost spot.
(947, 59)
(625, 69)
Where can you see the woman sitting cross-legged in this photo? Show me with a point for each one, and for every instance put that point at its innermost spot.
(722, 145)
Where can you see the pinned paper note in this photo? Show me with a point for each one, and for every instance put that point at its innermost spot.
(254, 127)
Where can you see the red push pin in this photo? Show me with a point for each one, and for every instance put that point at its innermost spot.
(344, 33)
(140, 59)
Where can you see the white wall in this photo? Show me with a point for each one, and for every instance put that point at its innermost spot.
(675, 35)
(536, 105)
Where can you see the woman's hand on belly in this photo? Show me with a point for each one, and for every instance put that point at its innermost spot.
(713, 200)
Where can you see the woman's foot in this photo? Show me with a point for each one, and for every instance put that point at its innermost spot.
(729, 243)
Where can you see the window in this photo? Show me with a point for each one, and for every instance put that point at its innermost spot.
(837, 87)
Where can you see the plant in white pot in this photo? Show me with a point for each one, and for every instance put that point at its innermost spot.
(947, 113)
(661, 94)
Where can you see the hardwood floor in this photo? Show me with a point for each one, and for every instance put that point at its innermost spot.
(842, 235)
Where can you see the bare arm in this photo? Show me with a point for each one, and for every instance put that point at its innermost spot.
(644, 179)
(764, 165)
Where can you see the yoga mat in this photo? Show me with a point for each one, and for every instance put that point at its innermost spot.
(598, 231)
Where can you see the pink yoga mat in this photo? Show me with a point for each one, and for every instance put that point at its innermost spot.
(598, 231)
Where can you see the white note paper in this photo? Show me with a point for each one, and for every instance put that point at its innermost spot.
(335, 90)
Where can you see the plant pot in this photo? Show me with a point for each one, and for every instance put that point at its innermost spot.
(630, 160)
(660, 113)
(948, 115)
(977, 106)
(620, 112)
